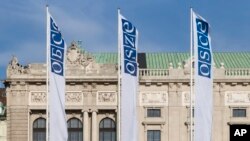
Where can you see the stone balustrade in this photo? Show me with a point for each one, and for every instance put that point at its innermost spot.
(237, 72)
(165, 72)
(153, 72)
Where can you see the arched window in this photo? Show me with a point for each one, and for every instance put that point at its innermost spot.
(107, 130)
(75, 130)
(39, 130)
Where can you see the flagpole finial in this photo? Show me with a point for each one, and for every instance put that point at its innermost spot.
(118, 9)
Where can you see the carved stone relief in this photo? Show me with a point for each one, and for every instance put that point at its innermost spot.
(73, 54)
(38, 98)
(78, 57)
(74, 98)
(154, 98)
(80, 62)
(106, 98)
(237, 98)
(186, 98)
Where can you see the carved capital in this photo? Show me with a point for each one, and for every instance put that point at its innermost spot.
(93, 85)
(85, 94)
(179, 86)
(94, 110)
(85, 85)
(222, 85)
(85, 110)
(171, 85)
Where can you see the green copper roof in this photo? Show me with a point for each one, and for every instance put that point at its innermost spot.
(162, 60)
(106, 58)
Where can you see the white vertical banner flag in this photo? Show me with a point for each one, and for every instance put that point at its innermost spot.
(128, 40)
(57, 117)
(203, 79)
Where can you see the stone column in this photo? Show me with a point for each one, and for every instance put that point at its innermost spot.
(94, 126)
(85, 126)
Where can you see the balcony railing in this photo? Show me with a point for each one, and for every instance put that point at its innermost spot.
(154, 72)
(237, 72)
(240, 72)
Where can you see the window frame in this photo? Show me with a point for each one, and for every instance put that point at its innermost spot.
(154, 134)
(110, 130)
(38, 129)
(237, 115)
(77, 129)
(154, 114)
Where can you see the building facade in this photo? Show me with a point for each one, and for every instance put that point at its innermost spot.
(92, 96)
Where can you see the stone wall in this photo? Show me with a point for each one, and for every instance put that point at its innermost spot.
(3, 130)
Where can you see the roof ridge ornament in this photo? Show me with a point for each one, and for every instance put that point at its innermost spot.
(77, 57)
(15, 68)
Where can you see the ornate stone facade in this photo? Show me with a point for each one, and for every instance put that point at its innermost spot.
(153, 98)
(92, 95)
(74, 98)
(38, 98)
(106, 98)
(237, 98)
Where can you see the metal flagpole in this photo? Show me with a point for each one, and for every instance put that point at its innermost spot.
(191, 74)
(47, 75)
(119, 80)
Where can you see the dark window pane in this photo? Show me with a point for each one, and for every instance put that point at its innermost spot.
(39, 130)
(107, 136)
(113, 136)
(75, 130)
(154, 112)
(107, 130)
(107, 123)
(100, 135)
(154, 135)
(239, 113)
(193, 112)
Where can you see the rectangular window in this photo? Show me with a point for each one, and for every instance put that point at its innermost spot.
(239, 113)
(154, 112)
(193, 112)
(154, 135)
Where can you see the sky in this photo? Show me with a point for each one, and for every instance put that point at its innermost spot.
(163, 25)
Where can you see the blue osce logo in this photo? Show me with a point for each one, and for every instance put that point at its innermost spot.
(204, 49)
(129, 48)
(56, 49)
